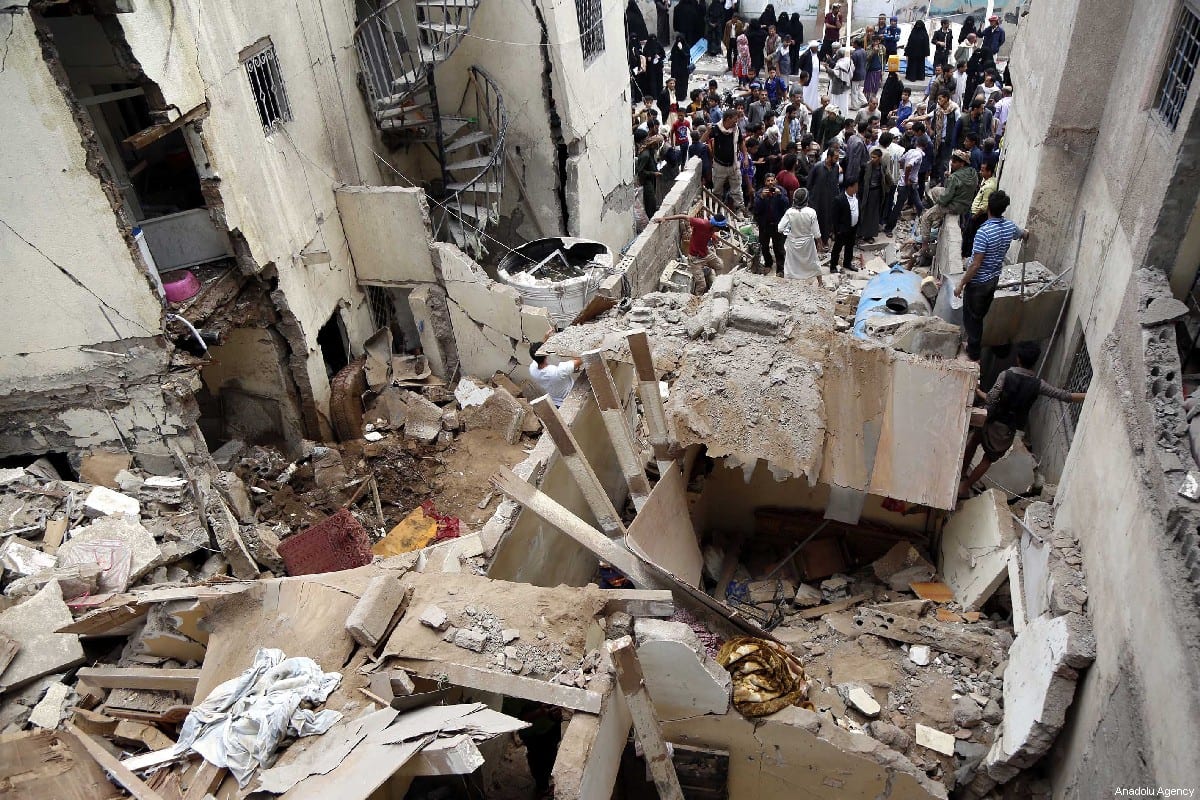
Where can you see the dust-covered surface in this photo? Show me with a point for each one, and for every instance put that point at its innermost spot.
(551, 624)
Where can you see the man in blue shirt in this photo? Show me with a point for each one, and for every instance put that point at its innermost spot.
(978, 284)
(993, 34)
(891, 37)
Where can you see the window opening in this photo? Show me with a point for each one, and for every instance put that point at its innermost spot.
(1079, 378)
(591, 27)
(1180, 68)
(266, 82)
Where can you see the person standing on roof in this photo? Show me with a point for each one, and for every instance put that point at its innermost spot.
(701, 254)
(1008, 406)
(979, 282)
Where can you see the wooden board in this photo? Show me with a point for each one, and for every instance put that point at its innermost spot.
(662, 531)
(936, 591)
(47, 764)
(510, 685)
(176, 680)
(122, 774)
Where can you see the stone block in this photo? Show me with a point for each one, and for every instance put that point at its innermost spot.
(501, 412)
(902, 566)
(102, 501)
(976, 545)
(434, 617)
(756, 320)
(1039, 686)
(422, 419)
(372, 615)
(808, 596)
(478, 354)
(938, 741)
(81, 549)
(489, 303)
(234, 490)
(536, 325)
(427, 306)
(860, 699)
(49, 711)
(470, 639)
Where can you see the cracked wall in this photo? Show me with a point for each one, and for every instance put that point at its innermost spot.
(581, 176)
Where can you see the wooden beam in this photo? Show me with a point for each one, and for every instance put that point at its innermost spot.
(120, 773)
(109, 97)
(613, 414)
(639, 602)
(652, 405)
(829, 608)
(588, 537)
(539, 691)
(172, 680)
(204, 781)
(593, 491)
(148, 136)
(645, 722)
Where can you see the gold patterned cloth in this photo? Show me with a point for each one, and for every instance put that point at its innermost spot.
(766, 676)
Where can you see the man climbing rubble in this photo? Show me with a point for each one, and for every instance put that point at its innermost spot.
(1008, 405)
(555, 380)
(702, 257)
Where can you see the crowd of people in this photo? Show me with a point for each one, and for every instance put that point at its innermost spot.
(822, 169)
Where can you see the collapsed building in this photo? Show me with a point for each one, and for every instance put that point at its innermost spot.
(733, 562)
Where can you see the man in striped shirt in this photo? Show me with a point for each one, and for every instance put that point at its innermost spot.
(978, 284)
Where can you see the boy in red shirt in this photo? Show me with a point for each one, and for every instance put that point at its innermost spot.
(700, 252)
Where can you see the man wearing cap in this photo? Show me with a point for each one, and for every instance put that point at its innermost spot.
(953, 198)
(726, 142)
(979, 282)
(891, 37)
(810, 63)
(833, 31)
(993, 35)
(700, 252)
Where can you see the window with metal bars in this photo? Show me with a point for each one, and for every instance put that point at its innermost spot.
(266, 83)
(1079, 378)
(383, 308)
(591, 27)
(1180, 68)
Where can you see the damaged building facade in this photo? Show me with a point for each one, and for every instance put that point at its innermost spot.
(247, 145)
(733, 562)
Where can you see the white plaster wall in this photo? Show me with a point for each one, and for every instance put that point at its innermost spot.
(278, 190)
(592, 101)
(50, 200)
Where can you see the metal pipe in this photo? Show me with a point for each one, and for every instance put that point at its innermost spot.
(192, 328)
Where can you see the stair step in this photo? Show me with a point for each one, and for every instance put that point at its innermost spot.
(467, 141)
(399, 110)
(471, 210)
(470, 163)
(492, 187)
(447, 4)
(452, 125)
(443, 28)
(408, 79)
(394, 124)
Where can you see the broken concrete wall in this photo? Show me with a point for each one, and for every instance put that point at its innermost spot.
(66, 286)
(567, 147)
(533, 551)
(248, 376)
(276, 188)
(492, 329)
(796, 753)
(388, 231)
(657, 245)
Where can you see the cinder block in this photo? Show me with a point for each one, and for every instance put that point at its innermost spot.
(372, 615)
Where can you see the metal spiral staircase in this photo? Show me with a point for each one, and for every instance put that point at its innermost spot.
(399, 73)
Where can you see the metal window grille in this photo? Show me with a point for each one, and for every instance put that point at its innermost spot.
(1078, 380)
(266, 83)
(383, 309)
(1180, 68)
(591, 27)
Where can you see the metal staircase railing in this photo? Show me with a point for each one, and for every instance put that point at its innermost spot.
(475, 165)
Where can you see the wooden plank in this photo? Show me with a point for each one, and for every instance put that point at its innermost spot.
(639, 602)
(205, 781)
(155, 678)
(581, 470)
(41, 764)
(829, 608)
(653, 412)
(150, 135)
(56, 529)
(662, 531)
(562, 519)
(511, 685)
(120, 773)
(936, 591)
(615, 422)
(155, 758)
(645, 721)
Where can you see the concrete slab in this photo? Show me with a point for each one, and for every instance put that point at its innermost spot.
(102, 501)
(489, 303)
(144, 551)
(478, 355)
(536, 325)
(1039, 686)
(48, 713)
(386, 245)
(682, 680)
(33, 623)
(976, 545)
